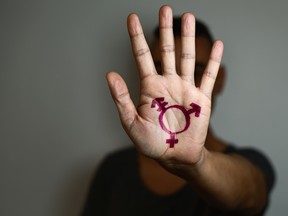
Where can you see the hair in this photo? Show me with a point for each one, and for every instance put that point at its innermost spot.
(202, 30)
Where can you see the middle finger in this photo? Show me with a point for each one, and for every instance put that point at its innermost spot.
(167, 45)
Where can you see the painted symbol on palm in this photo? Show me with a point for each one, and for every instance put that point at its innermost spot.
(163, 109)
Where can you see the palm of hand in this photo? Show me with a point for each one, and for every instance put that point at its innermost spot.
(144, 124)
(147, 132)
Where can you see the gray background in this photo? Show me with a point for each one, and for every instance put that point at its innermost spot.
(57, 120)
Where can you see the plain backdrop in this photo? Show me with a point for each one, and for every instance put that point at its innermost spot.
(57, 119)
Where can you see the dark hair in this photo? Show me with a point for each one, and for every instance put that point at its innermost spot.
(201, 29)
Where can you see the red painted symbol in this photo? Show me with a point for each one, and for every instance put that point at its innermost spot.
(162, 109)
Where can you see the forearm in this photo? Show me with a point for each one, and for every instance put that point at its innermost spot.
(228, 182)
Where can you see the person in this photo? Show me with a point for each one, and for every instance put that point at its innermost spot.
(178, 165)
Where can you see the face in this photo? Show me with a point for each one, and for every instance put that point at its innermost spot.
(203, 48)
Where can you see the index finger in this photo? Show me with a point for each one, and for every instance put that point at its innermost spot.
(140, 47)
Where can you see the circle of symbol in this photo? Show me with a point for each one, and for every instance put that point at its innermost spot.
(183, 110)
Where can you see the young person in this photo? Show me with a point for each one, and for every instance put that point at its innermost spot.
(178, 165)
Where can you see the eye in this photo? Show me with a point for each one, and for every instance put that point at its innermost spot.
(158, 67)
(198, 74)
(199, 70)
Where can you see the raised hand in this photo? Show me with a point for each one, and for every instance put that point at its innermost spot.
(172, 118)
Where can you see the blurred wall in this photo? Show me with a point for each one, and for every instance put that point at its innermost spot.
(57, 120)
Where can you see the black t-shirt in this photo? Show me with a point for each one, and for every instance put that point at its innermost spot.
(117, 189)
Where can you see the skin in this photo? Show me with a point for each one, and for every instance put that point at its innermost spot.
(228, 182)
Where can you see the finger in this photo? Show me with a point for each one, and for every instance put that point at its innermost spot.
(121, 97)
(188, 47)
(140, 47)
(212, 68)
(167, 46)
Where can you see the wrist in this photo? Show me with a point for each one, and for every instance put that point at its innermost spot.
(189, 168)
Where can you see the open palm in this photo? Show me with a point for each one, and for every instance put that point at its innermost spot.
(172, 118)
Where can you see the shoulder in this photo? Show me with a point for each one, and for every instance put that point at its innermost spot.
(118, 161)
(127, 154)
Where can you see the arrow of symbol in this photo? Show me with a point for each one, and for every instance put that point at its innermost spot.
(195, 109)
(160, 102)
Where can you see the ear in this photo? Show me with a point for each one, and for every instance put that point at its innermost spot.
(220, 80)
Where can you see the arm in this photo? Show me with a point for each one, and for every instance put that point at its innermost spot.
(171, 121)
(228, 182)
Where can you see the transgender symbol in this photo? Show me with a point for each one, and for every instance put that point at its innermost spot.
(162, 109)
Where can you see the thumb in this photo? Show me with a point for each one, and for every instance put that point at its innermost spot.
(121, 97)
